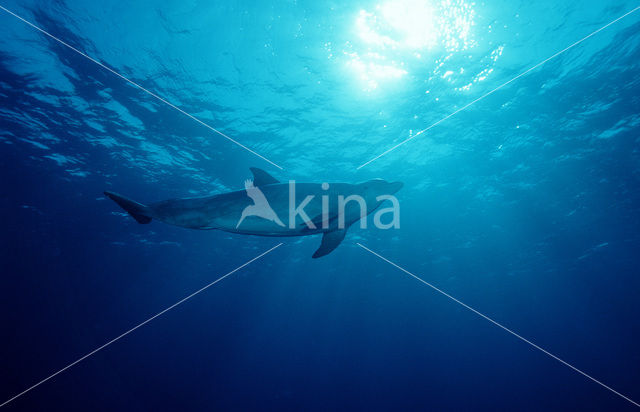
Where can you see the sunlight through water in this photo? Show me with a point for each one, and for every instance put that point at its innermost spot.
(396, 35)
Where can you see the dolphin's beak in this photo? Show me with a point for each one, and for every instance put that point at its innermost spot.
(395, 186)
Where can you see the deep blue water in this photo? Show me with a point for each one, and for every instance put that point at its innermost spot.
(525, 206)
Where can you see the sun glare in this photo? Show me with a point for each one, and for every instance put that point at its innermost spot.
(393, 35)
(414, 21)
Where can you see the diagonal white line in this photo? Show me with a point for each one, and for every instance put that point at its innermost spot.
(150, 93)
(497, 88)
(139, 325)
(498, 324)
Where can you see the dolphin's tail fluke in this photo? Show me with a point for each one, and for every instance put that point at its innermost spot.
(138, 211)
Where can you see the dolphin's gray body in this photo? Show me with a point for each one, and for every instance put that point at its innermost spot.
(225, 211)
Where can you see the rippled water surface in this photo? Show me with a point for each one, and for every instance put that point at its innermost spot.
(524, 205)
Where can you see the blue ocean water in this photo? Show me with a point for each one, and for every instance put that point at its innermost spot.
(524, 205)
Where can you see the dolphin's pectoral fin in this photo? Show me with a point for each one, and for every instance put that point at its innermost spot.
(330, 241)
(261, 178)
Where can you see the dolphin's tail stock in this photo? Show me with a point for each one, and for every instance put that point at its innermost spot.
(138, 211)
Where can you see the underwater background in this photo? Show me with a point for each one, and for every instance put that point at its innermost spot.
(525, 205)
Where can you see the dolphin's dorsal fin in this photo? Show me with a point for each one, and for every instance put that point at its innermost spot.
(261, 178)
(330, 241)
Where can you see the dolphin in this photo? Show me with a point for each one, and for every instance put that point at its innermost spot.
(265, 204)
